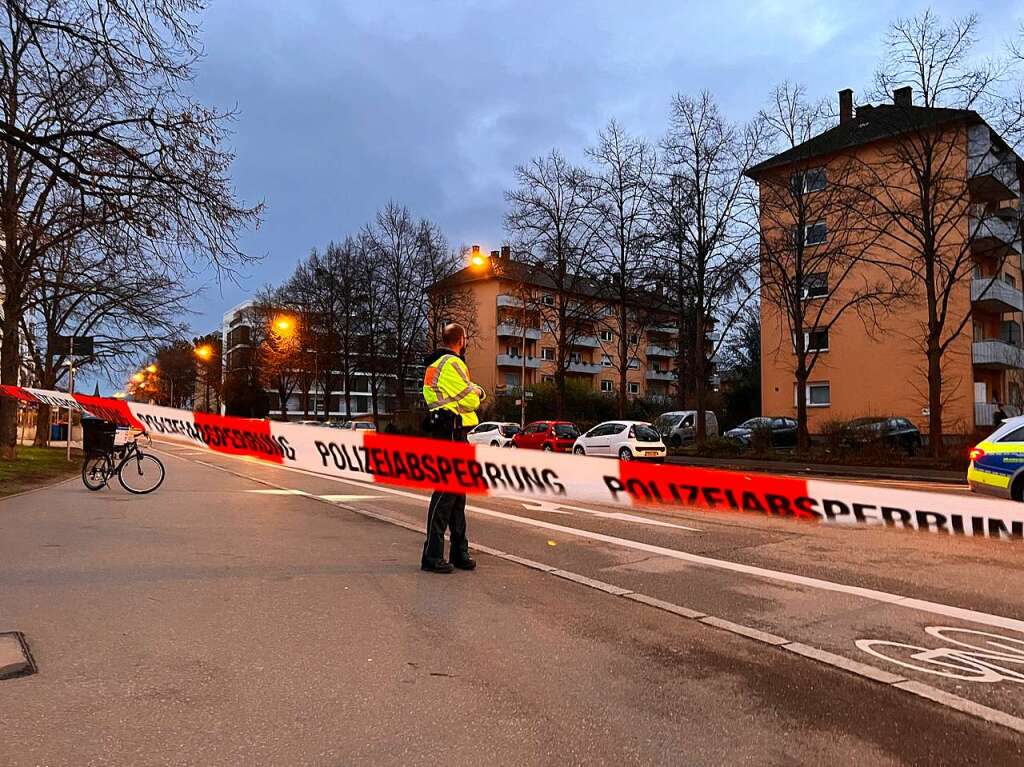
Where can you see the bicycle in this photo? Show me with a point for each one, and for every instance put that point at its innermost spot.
(137, 472)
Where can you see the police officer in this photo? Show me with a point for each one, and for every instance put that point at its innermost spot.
(452, 400)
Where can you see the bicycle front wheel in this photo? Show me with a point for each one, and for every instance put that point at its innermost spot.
(141, 474)
(95, 471)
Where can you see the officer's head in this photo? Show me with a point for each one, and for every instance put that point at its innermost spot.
(454, 337)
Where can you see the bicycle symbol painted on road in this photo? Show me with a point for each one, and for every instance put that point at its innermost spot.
(976, 657)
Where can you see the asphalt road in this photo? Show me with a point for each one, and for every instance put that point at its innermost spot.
(247, 614)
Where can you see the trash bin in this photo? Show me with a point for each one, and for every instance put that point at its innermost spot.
(97, 435)
(58, 432)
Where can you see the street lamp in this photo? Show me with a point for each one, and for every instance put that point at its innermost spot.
(205, 353)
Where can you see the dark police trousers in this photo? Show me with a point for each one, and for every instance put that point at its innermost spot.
(447, 511)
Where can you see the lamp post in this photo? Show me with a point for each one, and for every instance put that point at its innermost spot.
(205, 354)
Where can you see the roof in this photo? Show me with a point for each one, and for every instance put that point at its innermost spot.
(871, 123)
(518, 271)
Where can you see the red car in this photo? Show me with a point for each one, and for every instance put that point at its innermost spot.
(554, 436)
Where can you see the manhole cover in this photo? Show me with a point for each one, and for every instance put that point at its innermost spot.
(15, 657)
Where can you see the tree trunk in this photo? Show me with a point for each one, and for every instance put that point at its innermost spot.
(623, 357)
(803, 436)
(10, 360)
(700, 379)
(43, 414)
(934, 398)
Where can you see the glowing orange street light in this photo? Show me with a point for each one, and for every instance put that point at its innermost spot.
(204, 352)
(151, 368)
(138, 378)
(475, 258)
(284, 324)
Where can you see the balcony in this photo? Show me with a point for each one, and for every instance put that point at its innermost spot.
(664, 327)
(996, 235)
(985, 413)
(504, 299)
(509, 330)
(515, 361)
(994, 354)
(991, 169)
(653, 350)
(586, 368)
(587, 342)
(996, 295)
(660, 375)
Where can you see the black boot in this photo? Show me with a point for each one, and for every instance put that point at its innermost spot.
(438, 566)
(464, 563)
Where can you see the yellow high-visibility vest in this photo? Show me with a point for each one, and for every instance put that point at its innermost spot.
(446, 386)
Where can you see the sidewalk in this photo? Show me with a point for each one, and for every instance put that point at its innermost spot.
(909, 474)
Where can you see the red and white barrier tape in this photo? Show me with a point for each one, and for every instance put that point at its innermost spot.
(477, 469)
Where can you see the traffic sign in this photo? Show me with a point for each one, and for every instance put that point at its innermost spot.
(80, 346)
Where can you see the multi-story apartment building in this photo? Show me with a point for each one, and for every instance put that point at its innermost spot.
(239, 354)
(881, 368)
(514, 336)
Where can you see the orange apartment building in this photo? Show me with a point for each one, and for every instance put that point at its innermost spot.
(502, 348)
(881, 371)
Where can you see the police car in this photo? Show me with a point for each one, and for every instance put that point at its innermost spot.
(997, 462)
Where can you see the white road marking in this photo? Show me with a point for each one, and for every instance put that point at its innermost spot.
(278, 492)
(344, 498)
(554, 507)
(873, 673)
(921, 605)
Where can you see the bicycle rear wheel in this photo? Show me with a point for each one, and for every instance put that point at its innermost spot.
(140, 474)
(96, 471)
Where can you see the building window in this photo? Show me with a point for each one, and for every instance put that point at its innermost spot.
(813, 180)
(576, 358)
(814, 341)
(606, 360)
(634, 338)
(511, 379)
(819, 394)
(634, 364)
(512, 351)
(816, 233)
(606, 385)
(606, 335)
(548, 352)
(548, 299)
(815, 285)
(548, 379)
(1008, 279)
(633, 388)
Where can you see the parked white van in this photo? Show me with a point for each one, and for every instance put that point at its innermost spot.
(678, 427)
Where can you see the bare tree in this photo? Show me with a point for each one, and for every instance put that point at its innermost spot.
(709, 264)
(549, 216)
(98, 135)
(918, 196)
(398, 242)
(449, 302)
(126, 306)
(622, 181)
(375, 342)
(815, 255)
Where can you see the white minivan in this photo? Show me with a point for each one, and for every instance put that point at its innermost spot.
(625, 440)
(678, 427)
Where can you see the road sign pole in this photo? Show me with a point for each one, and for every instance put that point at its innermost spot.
(71, 389)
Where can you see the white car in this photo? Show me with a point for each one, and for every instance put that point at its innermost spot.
(625, 440)
(493, 433)
(359, 426)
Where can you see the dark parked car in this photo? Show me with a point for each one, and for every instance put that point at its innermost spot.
(895, 432)
(781, 431)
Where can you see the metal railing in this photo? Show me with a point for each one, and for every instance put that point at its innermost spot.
(997, 291)
(516, 331)
(994, 353)
(515, 361)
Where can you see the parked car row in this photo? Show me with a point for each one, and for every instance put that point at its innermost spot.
(631, 440)
(352, 425)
